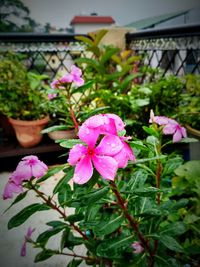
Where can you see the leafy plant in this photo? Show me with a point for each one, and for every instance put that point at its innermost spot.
(189, 107)
(21, 92)
(125, 210)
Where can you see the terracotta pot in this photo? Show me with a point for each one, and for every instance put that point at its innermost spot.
(62, 134)
(28, 133)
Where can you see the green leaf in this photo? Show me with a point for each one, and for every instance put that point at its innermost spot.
(91, 197)
(17, 199)
(150, 131)
(108, 54)
(69, 240)
(56, 224)
(113, 246)
(24, 214)
(70, 143)
(66, 178)
(174, 229)
(51, 172)
(83, 88)
(84, 39)
(64, 195)
(44, 255)
(74, 263)
(107, 227)
(54, 128)
(170, 243)
(44, 237)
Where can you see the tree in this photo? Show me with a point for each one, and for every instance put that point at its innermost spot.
(12, 10)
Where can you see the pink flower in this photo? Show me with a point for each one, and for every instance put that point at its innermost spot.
(175, 129)
(11, 188)
(28, 167)
(124, 155)
(74, 76)
(100, 124)
(160, 120)
(137, 247)
(101, 157)
(26, 239)
(170, 126)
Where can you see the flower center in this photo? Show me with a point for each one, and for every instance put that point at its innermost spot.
(90, 151)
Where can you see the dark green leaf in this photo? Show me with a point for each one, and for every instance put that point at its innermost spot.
(107, 227)
(173, 229)
(51, 172)
(64, 194)
(17, 199)
(44, 255)
(90, 198)
(66, 178)
(44, 237)
(24, 214)
(170, 243)
(74, 263)
(113, 246)
(56, 224)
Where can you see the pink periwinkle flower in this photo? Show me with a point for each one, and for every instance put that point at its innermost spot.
(101, 124)
(138, 248)
(170, 126)
(110, 154)
(11, 188)
(26, 239)
(174, 128)
(28, 167)
(101, 157)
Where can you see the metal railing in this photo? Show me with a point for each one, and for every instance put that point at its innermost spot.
(171, 50)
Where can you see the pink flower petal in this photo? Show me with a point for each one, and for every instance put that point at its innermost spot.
(183, 131)
(76, 71)
(88, 135)
(106, 166)
(83, 171)
(177, 136)
(169, 128)
(76, 153)
(125, 154)
(11, 188)
(118, 121)
(109, 145)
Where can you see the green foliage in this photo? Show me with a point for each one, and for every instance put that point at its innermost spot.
(108, 217)
(22, 93)
(189, 107)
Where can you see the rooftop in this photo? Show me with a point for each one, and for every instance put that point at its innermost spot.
(92, 19)
(153, 21)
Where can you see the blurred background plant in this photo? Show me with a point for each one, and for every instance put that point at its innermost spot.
(22, 92)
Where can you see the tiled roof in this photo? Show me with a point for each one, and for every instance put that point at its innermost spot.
(92, 19)
(151, 22)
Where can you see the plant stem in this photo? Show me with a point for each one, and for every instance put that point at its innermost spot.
(55, 207)
(132, 221)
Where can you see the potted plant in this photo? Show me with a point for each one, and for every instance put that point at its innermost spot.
(21, 99)
(65, 104)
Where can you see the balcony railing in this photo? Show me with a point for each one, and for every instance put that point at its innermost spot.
(172, 50)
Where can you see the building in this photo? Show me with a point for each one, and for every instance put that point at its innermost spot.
(83, 24)
(191, 16)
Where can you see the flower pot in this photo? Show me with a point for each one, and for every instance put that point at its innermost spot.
(28, 133)
(62, 134)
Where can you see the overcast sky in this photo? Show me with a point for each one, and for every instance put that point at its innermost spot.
(60, 12)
